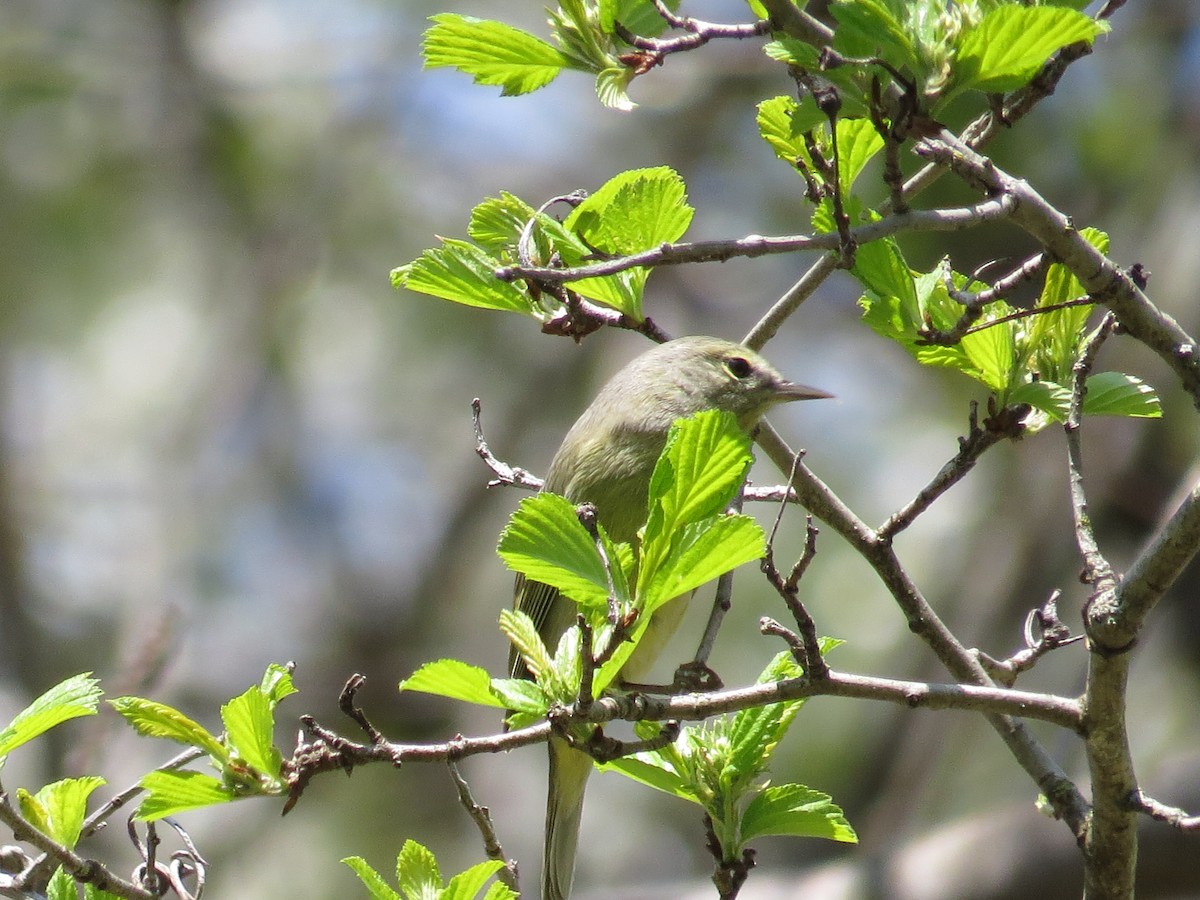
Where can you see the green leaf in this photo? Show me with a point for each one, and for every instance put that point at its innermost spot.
(152, 719)
(1052, 399)
(521, 695)
(796, 811)
(499, 891)
(497, 222)
(250, 728)
(638, 16)
(705, 550)
(631, 212)
(612, 87)
(1055, 336)
(700, 471)
(991, 352)
(647, 769)
(782, 122)
(634, 211)
(1012, 43)
(58, 809)
(61, 886)
(545, 542)
(371, 879)
(858, 142)
(462, 273)
(468, 883)
(454, 679)
(417, 871)
(492, 52)
(868, 28)
(1117, 394)
(169, 793)
(69, 699)
(519, 628)
(277, 683)
(754, 733)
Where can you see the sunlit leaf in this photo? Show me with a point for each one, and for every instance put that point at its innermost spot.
(492, 52)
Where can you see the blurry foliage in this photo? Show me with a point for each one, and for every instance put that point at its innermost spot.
(225, 439)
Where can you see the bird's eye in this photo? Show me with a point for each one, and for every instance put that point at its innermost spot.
(738, 366)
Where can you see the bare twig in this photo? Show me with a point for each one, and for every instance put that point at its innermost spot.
(505, 474)
(1171, 815)
(1044, 631)
(482, 817)
(1097, 571)
(970, 449)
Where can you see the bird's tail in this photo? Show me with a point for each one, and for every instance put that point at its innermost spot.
(569, 770)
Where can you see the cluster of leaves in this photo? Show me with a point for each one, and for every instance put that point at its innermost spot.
(633, 211)
(244, 756)
(585, 38)
(935, 51)
(688, 540)
(1021, 360)
(721, 766)
(941, 51)
(57, 810)
(418, 878)
(245, 759)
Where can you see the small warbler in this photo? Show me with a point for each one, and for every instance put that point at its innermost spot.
(607, 459)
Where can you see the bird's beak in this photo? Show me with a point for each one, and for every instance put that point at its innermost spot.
(787, 391)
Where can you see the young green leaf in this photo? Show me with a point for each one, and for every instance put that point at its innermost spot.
(277, 683)
(152, 719)
(496, 223)
(69, 699)
(250, 729)
(1052, 399)
(858, 142)
(371, 879)
(700, 471)
(796, 811)
(867, 28)
(702, 551)
(521, 695)
(612, 87)
(59, 809)
(492, 52)
(634, 211)
(1117, 394)
(462, 273)
(467, 884)
(454, 679)
(638, 16)
(61, 886)
(649, 770)
(1012, 42)
(169, 793)
(782, 123)
(545, 542)
(417, 871)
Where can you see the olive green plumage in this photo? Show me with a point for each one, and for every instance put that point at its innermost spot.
(607, 459)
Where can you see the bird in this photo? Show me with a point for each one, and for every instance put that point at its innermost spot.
(606, 460)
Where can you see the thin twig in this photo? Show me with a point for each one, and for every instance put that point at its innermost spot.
(970, 449)
(505, 474)
(482, 817)
(1097, 571)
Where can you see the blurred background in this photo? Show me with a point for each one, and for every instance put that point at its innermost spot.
(225, 441)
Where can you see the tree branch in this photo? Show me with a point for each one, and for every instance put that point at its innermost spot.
(667, 254)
